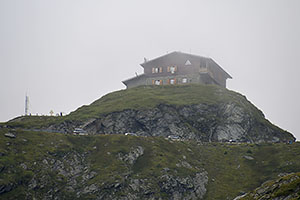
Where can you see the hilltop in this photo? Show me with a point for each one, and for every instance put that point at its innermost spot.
(40, 158)
(204, 113)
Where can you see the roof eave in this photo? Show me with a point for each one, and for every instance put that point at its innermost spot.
(149, 61)
(130, 79)
(228, 75)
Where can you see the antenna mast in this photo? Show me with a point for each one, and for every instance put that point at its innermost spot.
(26, 105)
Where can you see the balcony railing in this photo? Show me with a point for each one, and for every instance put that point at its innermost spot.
(206, 71)
(203, 70)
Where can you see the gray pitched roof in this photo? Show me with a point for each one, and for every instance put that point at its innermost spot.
(181, 58)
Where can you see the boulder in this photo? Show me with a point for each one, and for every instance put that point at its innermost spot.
(10, 135)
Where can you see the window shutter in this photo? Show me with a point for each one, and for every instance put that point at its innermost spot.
(160, 70)
(168, 69)
(153, 82)
(153, 70)
(169, 81)
(174, 80)
(160, 82)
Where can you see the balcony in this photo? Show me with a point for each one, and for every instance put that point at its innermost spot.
(206, 71)
(203, 70)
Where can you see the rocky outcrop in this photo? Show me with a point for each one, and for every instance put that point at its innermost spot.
(56, 166)
(5, 188)
(194, 187)
(169, 187)
(10, 135)
(66, 175)
(72, 169)
(198, 112)
(132, 156)
(202, 122)
(284, 188)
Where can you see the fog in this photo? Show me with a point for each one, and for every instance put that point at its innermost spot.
(67, 53)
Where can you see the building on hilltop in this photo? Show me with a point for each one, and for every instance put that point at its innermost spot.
(179, 68)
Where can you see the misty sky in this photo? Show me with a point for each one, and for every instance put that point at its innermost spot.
(66, 53)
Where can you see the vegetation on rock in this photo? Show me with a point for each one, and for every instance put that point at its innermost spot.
(51, 165)
(285, 187)
(201, 112)
(141, 98)
(37, 162)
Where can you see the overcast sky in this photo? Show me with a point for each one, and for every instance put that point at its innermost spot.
(67, 53)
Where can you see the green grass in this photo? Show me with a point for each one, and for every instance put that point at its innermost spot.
(229, 172)
(290, 187)
(146, 97)
(34, 122)
(278, 188)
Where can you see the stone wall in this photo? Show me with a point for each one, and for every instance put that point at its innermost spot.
(191, 78)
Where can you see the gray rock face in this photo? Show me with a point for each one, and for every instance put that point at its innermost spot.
(284, 188)
(207, 123)
(133, 155)
(71, 174)
(71, 167)
(248, 157)
(193, 186)
(181, 188)
(5, 188)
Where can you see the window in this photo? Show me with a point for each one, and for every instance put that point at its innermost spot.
(202, 66)
(172, 69)
(157, 70)
(172, 81)
(203, 69)
(154, 70)
(156, 82)
(184, 80)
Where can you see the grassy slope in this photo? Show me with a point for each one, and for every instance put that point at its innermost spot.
(280, 188)
(229, 172)
(147, 97)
